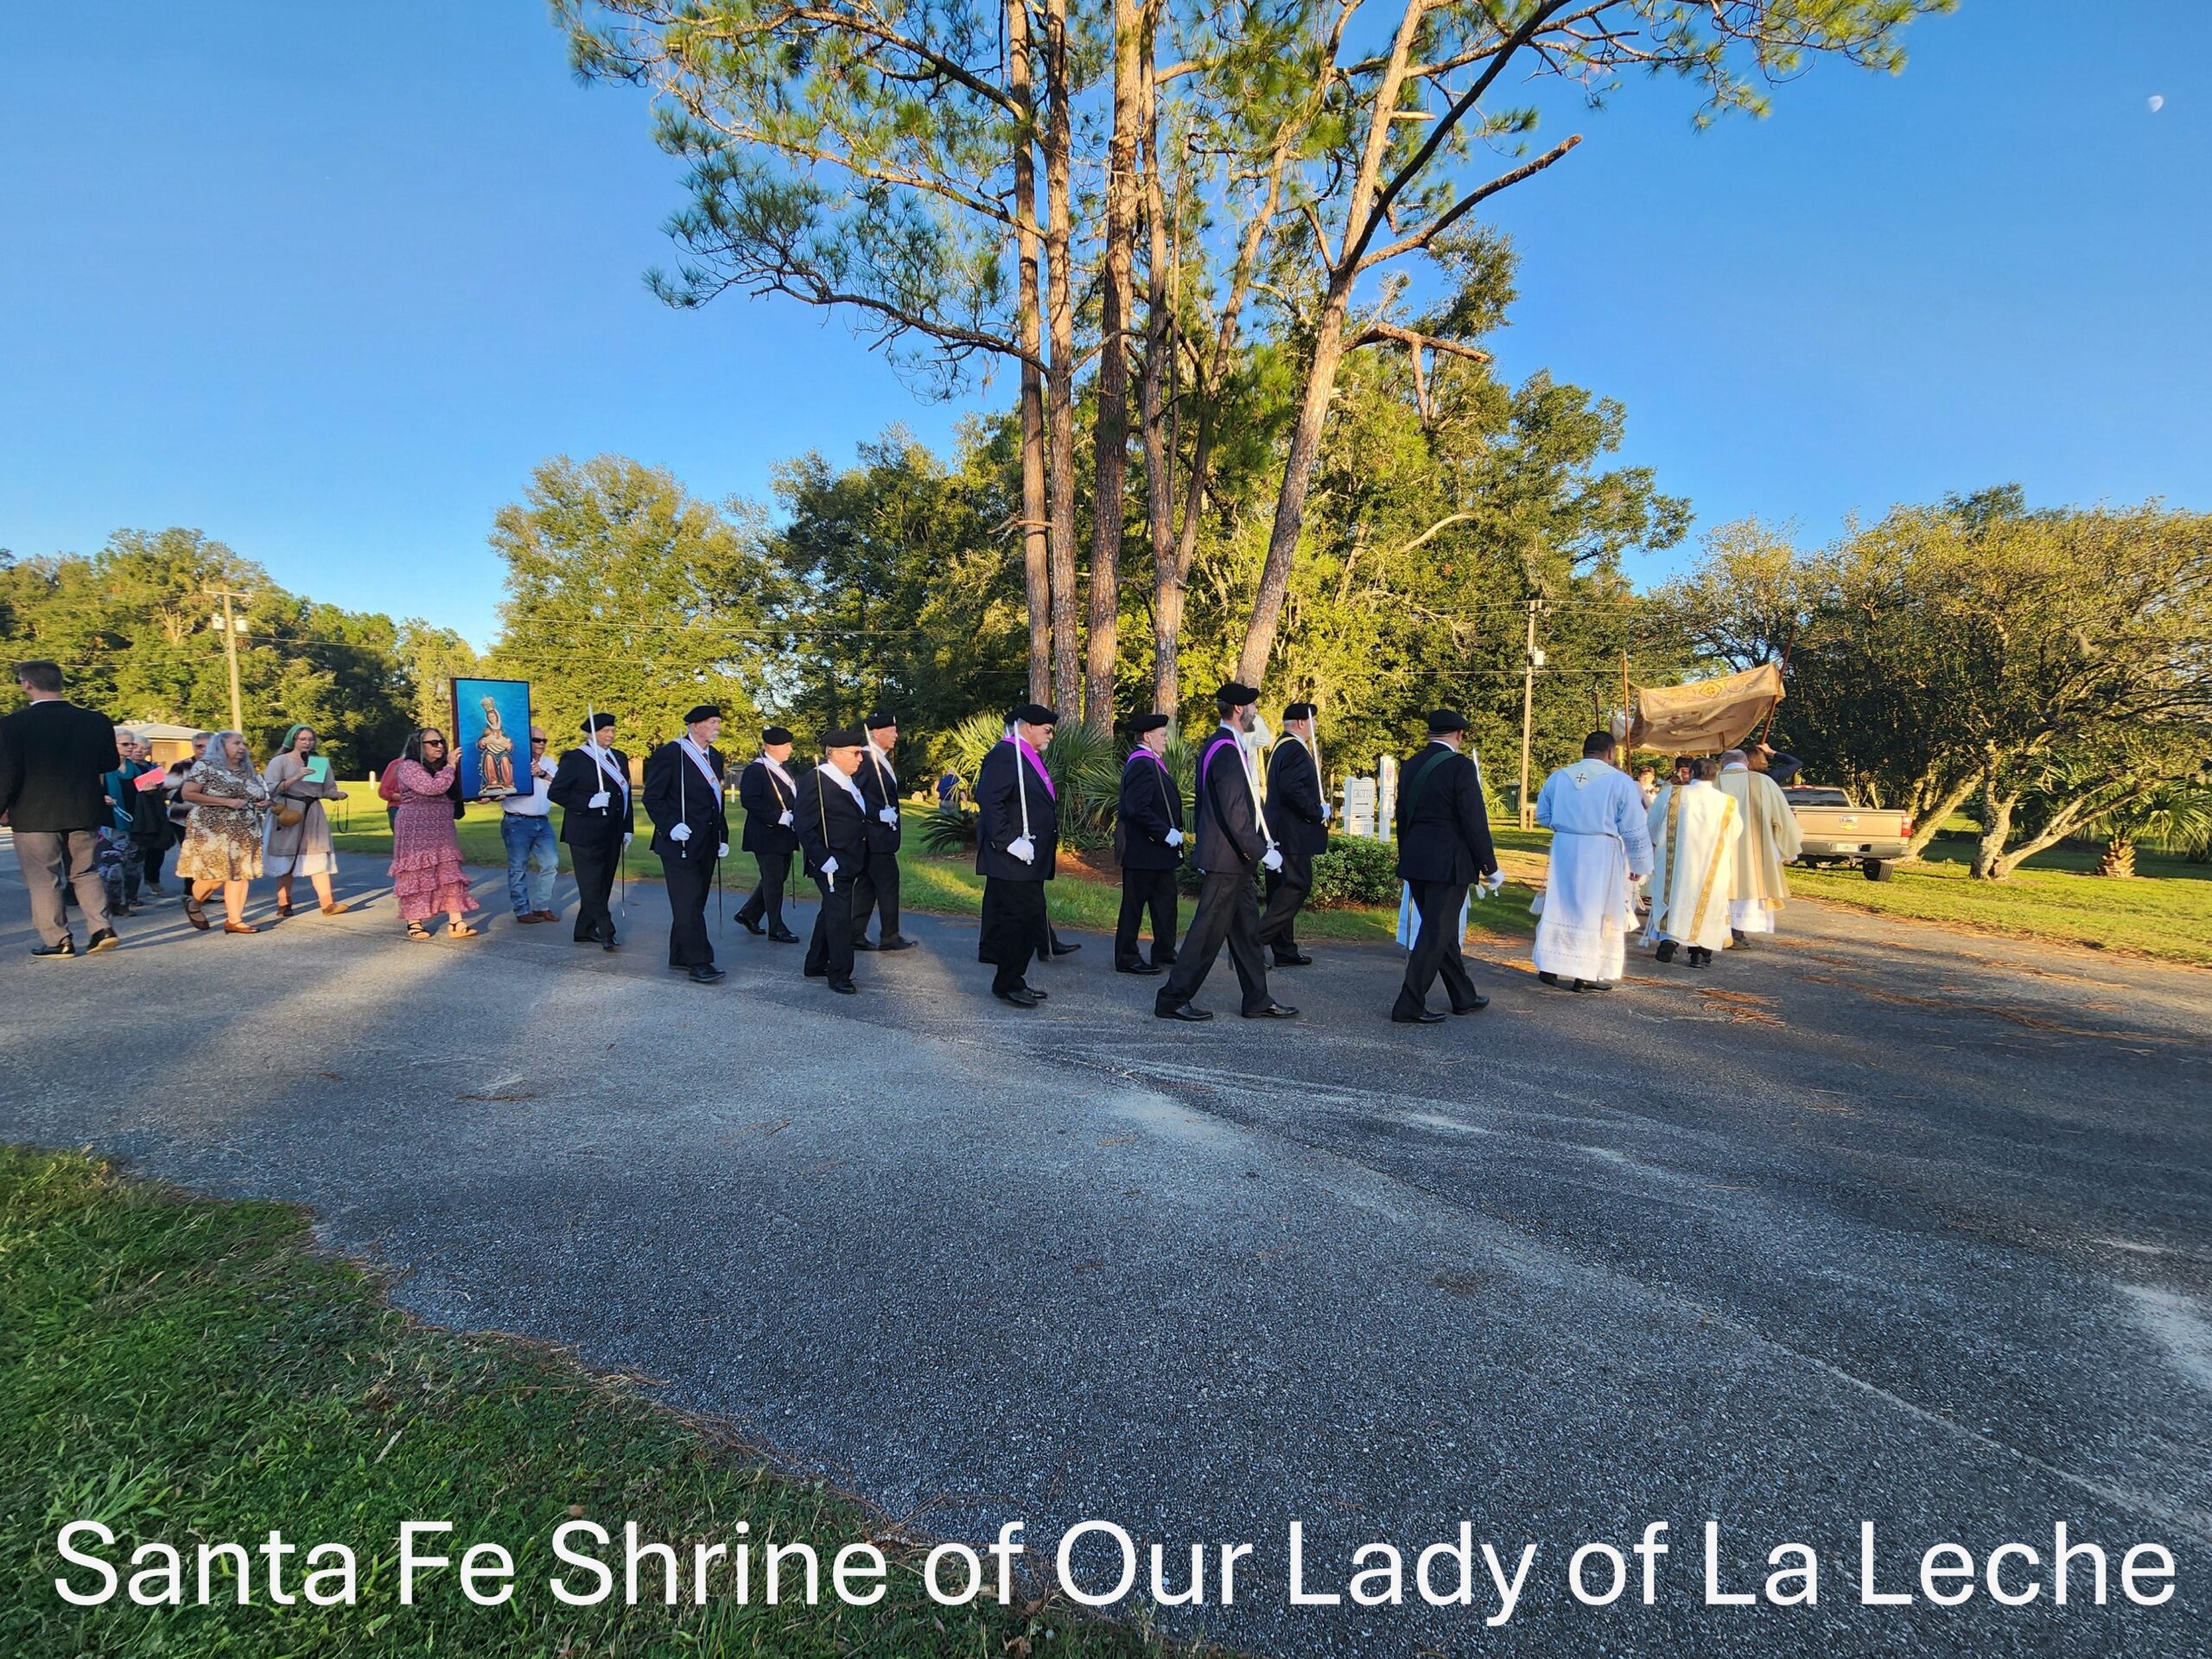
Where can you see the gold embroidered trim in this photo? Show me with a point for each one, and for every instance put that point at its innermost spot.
(1705, 892)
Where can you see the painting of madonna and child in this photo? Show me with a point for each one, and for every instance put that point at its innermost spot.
(490, 736)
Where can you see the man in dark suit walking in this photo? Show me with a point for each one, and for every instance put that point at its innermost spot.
(683, 798)
(592, 789)
(1444, 846)
(1148, 846)
(769, 794)
(1017, 850)
(1299, 817)
(878, 889)
(1233, 843)
(831, 824)
(52, 756)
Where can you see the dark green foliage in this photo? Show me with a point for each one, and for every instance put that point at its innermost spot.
(1355, 872)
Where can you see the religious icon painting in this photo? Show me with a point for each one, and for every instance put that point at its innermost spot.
(490, 736)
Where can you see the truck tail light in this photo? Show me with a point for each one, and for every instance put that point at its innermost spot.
(1905, 828)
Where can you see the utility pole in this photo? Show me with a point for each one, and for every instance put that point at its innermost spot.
(1531, 661)
(229, 624)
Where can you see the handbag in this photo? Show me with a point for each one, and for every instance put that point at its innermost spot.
(289, 816)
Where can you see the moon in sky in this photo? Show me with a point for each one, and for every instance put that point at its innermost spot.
(2157, 102)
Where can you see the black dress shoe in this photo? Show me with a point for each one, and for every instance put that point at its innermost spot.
(1021, 996)
(1737, 934)
(67, 947)
(1301, 960)
(783, 936)
(1273, 1011)
(1548, 978)
(1189, 1011)
(1666, 950)
(865, 944)
(816, 973)
(1061, 948)
(606, 942)
(844, 987)
(1426, 1017)
(1475, 1007)
(1591, 985)
(707, 974)
(102, 940)
(1137, 968)
(1699, 957)
(1163, 958)
(749, 925)
(1033, 991)
(896, 942)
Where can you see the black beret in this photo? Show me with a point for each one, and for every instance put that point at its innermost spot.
(1035, 713)
(1446, 719)
(1298, 711)
(705, 711)
(1139, 724)
(1236, 694)
(842, 737)
(774, 734)
(598, 722)
(880, 719)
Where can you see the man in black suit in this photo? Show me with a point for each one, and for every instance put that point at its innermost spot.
(52, 756)
(1299, 818)
(1017, 850)
(592, 788)
(831, 824)
(878, 889)
(683, 798)
(1443, 846)
(769, 795)
(1148, 843)
(1233, 845)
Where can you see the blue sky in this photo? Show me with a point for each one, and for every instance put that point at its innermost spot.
(327, 282)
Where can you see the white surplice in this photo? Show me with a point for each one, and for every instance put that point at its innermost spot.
(1599, 838)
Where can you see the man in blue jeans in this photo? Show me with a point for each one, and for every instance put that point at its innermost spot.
(527, 825)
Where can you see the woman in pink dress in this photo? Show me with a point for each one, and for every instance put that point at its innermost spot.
(426, 873)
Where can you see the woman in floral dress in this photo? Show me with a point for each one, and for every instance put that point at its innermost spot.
(426, 873)
(222, 832)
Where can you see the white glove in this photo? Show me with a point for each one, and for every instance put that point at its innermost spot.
(1325, 809)
(830, 866)
(888, 814)
(1272, 858)
(680, 833)
(1174, 838)
(722, 851)
(626, 837)
(1023, 849)
(785, 820)
(598, 800)
(1492, 882)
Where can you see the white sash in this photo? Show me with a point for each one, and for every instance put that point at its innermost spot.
(699, 759)
(781, 773)
(613, 773)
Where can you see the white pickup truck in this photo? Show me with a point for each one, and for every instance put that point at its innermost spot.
(1832, 829)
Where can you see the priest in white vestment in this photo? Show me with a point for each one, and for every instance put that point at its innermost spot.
(1600, 841)
(1694, 839)
(1767, 839)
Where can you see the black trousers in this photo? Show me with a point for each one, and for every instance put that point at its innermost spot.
(690, 880)
(830, 951)
(1143, 890)
(1014, 923)
(767, 903)
(1436, 948)
(1229, 912)
(877, 888)
(152, 849)
(593, 863)
(1287, 890)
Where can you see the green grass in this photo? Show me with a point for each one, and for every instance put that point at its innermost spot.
(183, 1369)
(2165, 911)
(949, 885)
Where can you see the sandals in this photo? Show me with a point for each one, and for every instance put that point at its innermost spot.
(417, 932)
(240, 927)
(284, 910)
(194, 914)
(336, 907)
(461, 930)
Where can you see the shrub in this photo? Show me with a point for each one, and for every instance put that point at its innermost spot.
(1355, 872)
(949, 829)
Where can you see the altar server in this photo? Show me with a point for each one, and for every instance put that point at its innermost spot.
(832, 827)
(1601, 843)
(592, 788)
(769, 795)
(683, 798)
(1149, 844)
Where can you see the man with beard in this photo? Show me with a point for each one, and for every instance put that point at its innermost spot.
(770, 797)
(1148, 843)
(1017, 846)
(832, 830)
(683, 798)
(1233, 845)
(592, 788)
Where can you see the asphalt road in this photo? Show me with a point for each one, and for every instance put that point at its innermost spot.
(1872, 1222)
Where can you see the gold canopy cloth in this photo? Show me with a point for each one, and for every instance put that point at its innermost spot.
(1706, 715)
